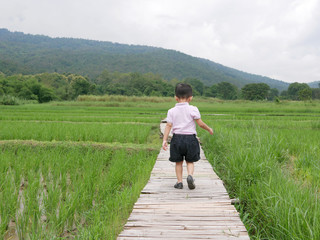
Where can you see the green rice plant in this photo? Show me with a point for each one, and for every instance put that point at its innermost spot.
(68, 189)
(80, 116)
(316, 125)
(121, 98)
(50, 131)
(266, 153)
(9, 196)
(283, 209)
(268, 164)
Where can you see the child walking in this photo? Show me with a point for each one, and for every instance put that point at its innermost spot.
(184, 144)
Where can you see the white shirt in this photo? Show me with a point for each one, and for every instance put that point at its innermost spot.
(182, 117)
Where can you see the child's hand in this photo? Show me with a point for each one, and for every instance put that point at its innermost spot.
(210, 131)
(165, 145)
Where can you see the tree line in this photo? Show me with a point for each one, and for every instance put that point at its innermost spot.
(255, 91)
(46, 87)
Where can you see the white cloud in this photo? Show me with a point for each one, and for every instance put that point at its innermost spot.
(274, 38)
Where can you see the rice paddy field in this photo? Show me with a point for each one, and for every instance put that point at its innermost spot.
(73, 170)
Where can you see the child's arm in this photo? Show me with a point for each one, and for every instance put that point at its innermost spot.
(204, 126)
(165, 136)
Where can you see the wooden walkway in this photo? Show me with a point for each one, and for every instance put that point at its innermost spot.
(163, 212)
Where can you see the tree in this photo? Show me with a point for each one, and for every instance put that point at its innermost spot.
(305, 94)
(34, 86)
(104, 78)
(138, 84)
(226, 91)
(79, 85)
(197, 85)
(284, 94)
(211, 91)
(295, 88)
(273, 93)
(57, 82)
(45, 95)
(26, 93)
(255, 91)
(48, 86)
(315, 93)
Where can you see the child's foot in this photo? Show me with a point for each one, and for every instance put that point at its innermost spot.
(178, 185)
(190, 182)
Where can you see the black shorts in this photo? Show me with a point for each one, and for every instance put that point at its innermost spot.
(186, 146)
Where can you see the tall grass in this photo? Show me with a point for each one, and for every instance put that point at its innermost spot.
(266, 153)
(67, 191)
(272, 167)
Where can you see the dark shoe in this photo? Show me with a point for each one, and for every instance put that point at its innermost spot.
(190, 182)
(178, 185)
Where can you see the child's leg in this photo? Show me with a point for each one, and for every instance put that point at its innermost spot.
(190, 180)
(190, 168)
(179, 170)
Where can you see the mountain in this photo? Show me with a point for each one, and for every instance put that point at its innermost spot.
(315, 84)
(31, 54)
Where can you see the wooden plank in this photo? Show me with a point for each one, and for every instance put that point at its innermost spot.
(190, 225)
(186, 234)
(163, 212)
(183, 237)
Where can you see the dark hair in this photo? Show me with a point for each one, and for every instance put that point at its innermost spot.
(183, 90)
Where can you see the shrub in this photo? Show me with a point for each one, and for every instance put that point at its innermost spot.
(9, 100)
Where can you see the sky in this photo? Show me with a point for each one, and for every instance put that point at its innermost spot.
(274, 38)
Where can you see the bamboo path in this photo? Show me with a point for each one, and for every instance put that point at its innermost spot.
(163, 212)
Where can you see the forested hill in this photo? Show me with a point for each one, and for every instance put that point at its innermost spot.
(315, 84)
(30, 54)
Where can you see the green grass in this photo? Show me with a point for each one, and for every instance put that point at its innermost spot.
(272, 165)
(78, 190)
(98, 132)
(121, 98)
(73, 171)
(93, 158)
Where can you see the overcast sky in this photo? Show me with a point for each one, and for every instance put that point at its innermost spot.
(275, 38)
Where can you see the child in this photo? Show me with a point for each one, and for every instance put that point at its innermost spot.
(184, 143)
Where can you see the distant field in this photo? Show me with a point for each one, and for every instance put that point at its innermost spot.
(75, 169)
